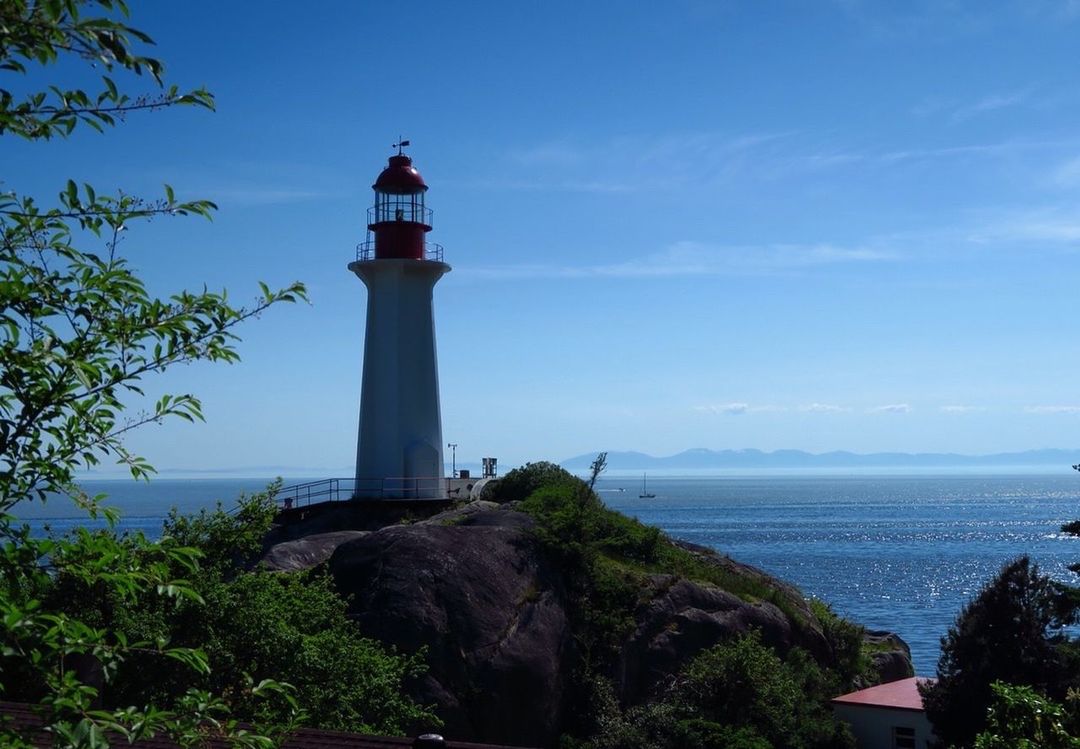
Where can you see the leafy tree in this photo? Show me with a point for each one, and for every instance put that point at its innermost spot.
(1020, 718)
(1013, 632)
(78, 329)
(250, 624)
(78, 332)
(227, 541)
(288, 626)
(292, 627)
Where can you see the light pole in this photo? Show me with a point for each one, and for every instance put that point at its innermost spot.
(453, 459)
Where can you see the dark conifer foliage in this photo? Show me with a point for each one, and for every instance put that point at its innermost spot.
(1011, 632)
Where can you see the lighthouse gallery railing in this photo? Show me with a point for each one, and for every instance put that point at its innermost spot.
(432, 251)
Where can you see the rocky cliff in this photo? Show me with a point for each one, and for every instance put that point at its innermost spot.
(477, 588)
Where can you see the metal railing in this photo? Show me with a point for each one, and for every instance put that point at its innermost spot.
(433, 251)
(314, 492)
(345, 489)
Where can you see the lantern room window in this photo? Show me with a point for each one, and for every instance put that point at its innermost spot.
(399, 207)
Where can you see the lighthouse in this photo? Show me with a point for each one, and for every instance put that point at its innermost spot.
(399, 445)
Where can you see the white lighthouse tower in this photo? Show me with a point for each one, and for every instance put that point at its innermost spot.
(399, 447)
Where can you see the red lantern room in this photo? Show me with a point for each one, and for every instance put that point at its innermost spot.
(399, 220)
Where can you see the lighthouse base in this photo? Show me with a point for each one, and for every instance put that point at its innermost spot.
(404, 487)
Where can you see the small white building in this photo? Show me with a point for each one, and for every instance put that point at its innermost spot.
(888, 716)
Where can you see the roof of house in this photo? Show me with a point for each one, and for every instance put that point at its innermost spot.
(899, 695)
(21, 716)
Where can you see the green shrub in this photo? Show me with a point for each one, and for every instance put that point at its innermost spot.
(737, 694)
(252, 625)
(846, 640)
(227, 540)
(1020, 718)
(744, 684)
(522, 482)
(702, 734)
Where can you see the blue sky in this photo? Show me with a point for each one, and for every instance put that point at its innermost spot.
(816, 225)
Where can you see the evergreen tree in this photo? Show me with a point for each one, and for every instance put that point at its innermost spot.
(1011, 632)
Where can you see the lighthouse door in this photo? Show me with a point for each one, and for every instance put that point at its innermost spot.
(423, 470)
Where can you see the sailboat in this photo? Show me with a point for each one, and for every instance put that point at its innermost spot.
(645, 493)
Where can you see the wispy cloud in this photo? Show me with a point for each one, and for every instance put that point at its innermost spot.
(958, 111)
(1046, 225)
(738, 409)
(1053, 409)
(1054, 10)
(666, 161)
(733, 409)
(256, 195)
(1067, 173)
(701, 259)
(922, 19)
(892, 408)
(1069, 9)
(1004, 148)
(674, 161)
(822, 408)
(571, 185)
(961, 409)
(990, 103)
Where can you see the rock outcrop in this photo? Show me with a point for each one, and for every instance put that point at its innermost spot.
(890, 656)
(473, 588)
(679, 618)
(488, 609)
(306, 552)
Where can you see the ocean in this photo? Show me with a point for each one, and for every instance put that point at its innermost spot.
(902, 553)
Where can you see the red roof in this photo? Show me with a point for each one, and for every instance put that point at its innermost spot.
(899, 695)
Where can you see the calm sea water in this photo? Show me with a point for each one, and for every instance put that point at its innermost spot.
(902, 553)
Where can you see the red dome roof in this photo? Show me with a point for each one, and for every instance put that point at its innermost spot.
(400, 177)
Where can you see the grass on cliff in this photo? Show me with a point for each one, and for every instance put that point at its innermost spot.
(606, 559)
(612, 553)
(643, 549)
(575, 522)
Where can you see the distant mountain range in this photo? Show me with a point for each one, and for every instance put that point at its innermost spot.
(701, 458)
